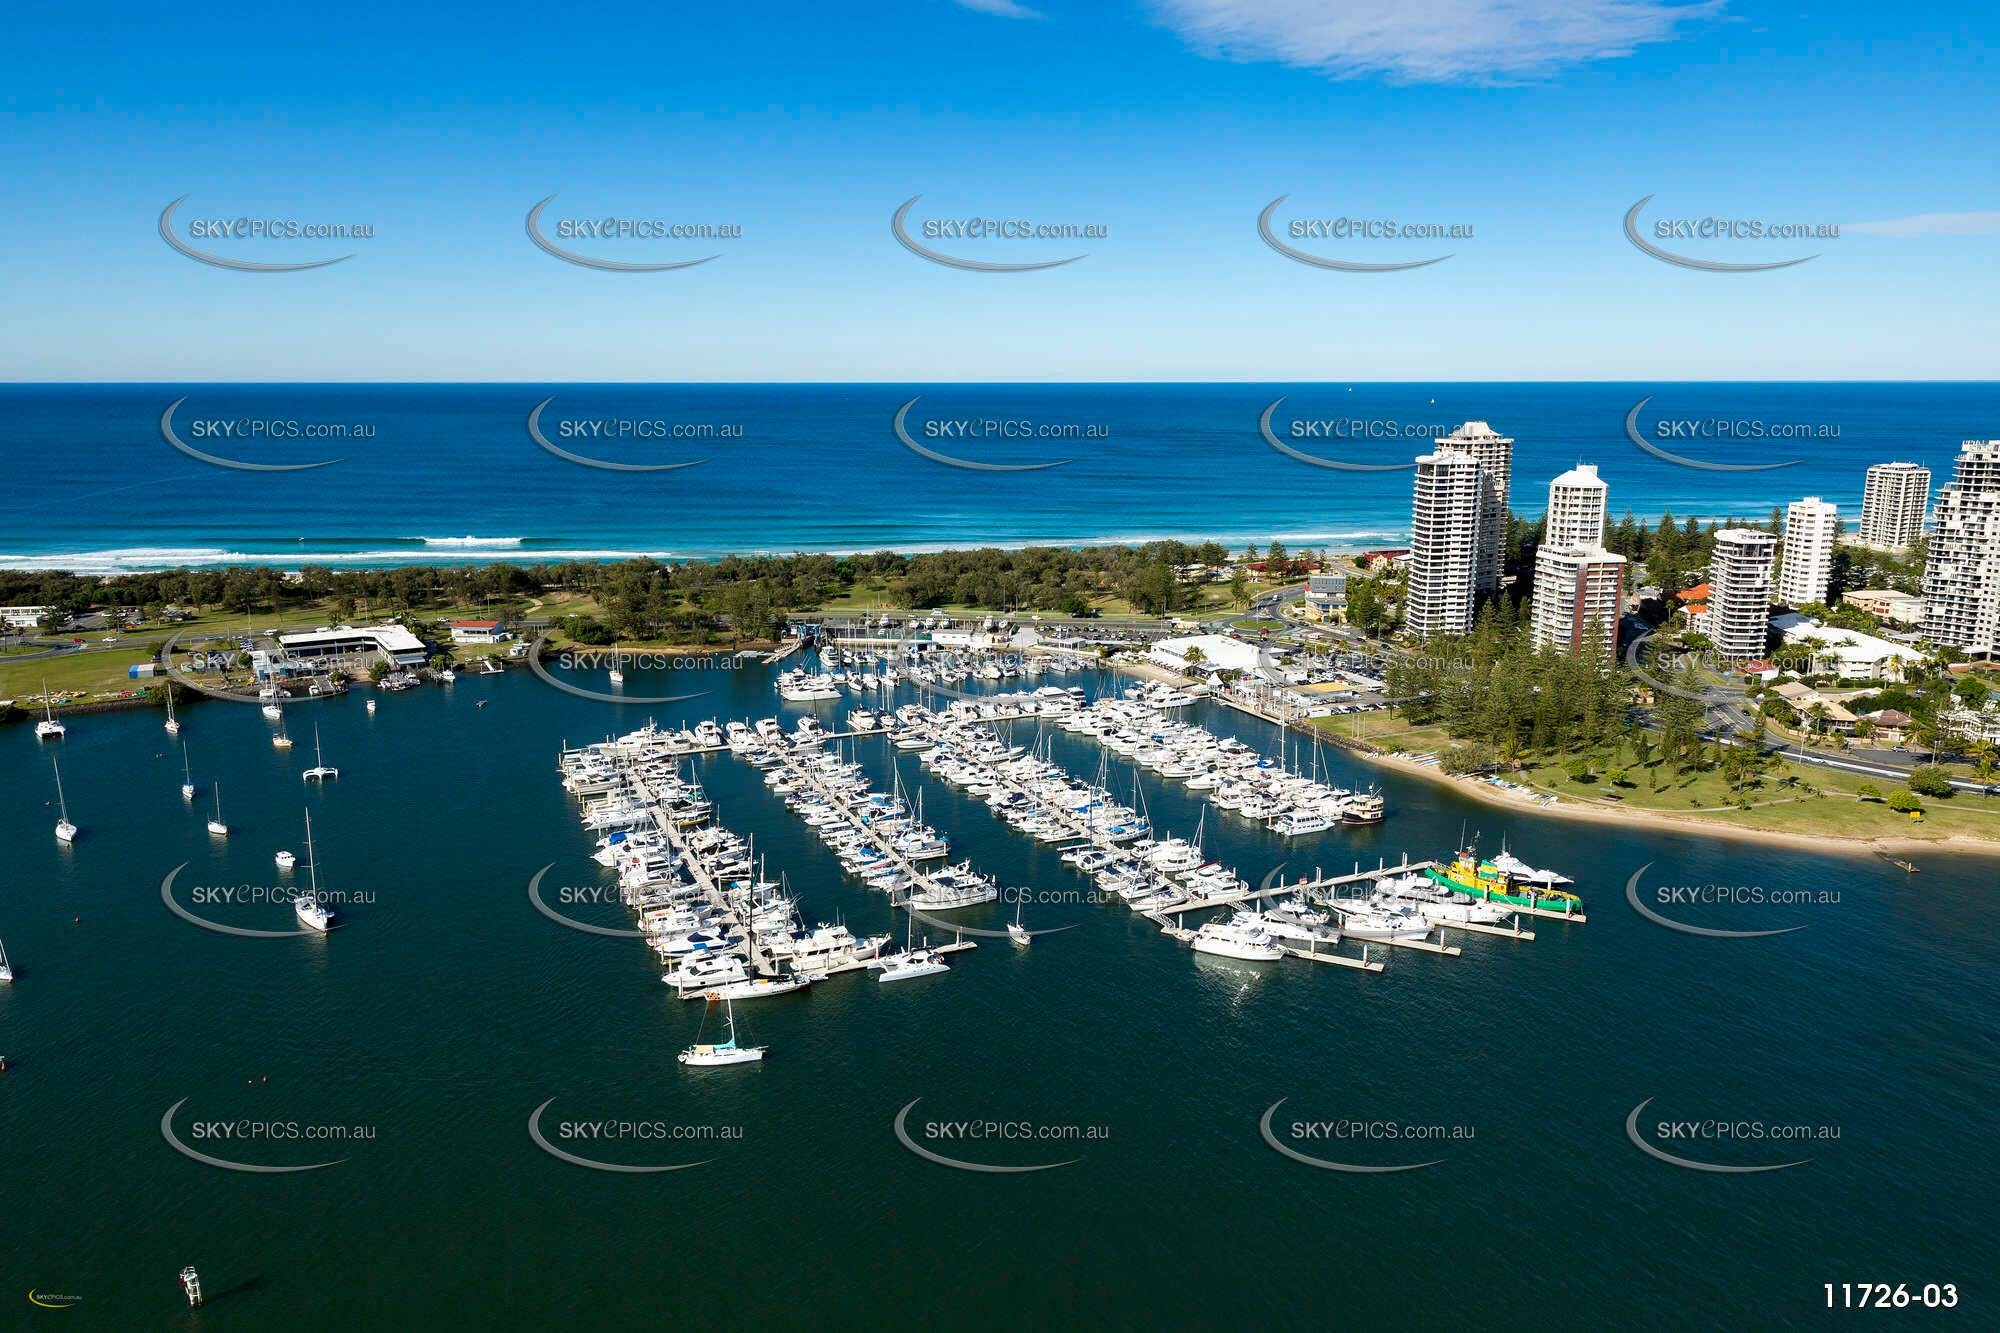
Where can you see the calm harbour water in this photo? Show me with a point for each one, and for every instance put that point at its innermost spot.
(444, 1012)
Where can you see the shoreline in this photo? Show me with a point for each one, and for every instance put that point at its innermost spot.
(1656, 820)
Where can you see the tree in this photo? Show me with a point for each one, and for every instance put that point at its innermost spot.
(1931, 780)
(1868, 791)
(1903, 801)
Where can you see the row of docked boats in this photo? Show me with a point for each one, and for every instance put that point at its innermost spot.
(1230, 774)
(723, 929)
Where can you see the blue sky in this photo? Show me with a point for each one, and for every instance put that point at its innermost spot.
(1170, 123)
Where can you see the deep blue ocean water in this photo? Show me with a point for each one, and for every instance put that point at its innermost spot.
(450, 471)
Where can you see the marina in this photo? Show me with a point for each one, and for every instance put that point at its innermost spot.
(727, 931)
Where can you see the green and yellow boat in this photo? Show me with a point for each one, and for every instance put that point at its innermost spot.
(1505, 880)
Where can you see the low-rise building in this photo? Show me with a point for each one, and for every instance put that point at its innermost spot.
(478, 631)
(1888, 604)
(1199, 654)
(1842, 652)
(1888, 726)
(1976, 724)
(1817, 712)
(1325, 591)
(392, 643)
(23, 617)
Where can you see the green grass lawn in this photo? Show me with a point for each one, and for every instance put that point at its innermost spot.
(1816, 802)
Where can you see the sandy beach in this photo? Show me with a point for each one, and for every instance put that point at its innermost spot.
(1654, 819)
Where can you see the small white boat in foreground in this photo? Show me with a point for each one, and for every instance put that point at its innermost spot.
(311, 912)
(65, 831)
(723, 1053)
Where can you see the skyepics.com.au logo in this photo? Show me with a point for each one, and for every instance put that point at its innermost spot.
(601, 430)
(971, 430)
(607, 660)
(1756, 434)
(1677, 907)
(923, 238)
(1707, 1143)
(1377, 434)
(1322, 232)
(252, 432)
(254, 234)
(1313, 1142)
(1017, 900)
(243, 1143)
(1705, 675)
(558, 901)
(1741, 235)
(604, 1144)
(981, 1144)
(255, 911)
(561, 237)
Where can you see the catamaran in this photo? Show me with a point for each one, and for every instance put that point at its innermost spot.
(911, 962)
(321, 771)
(311, 912)
(48, 729)
(215, 825)
(65, 831)
(723, 1053)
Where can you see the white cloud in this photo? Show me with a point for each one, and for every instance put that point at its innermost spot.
(1929, 224)
(1426, 40)
(1006, 9)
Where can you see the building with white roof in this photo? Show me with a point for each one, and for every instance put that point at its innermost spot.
(392, 643)
(1842, 652)
(1213, 652)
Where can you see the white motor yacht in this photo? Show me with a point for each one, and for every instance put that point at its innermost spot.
(910, 964)
(1235, 939)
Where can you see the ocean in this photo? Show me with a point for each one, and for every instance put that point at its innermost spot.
(447, 1010)
(451, 472)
